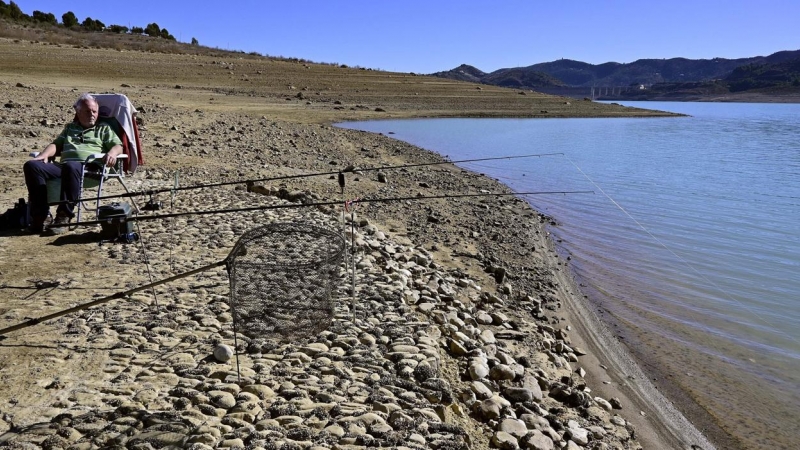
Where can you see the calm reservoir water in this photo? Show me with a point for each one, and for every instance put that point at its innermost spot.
(690, 242)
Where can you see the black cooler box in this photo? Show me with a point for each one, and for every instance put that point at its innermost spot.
(114, 217)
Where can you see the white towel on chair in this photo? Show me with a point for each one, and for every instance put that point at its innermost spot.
(122, 109)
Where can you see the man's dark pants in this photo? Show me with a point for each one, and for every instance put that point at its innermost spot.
(36, 175)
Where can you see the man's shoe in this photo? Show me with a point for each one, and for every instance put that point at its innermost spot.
(37, 225)
(59, 226)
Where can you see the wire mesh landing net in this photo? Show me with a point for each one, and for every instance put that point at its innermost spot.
(281, 277)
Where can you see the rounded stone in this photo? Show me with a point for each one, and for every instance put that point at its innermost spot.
(488, 409)
(514, 427)
(502, 372)
(537, 440)
(481, 390)
(487, 337)
(578, 435)
(335, 430)
(478, 370)
(483, 318)
(504, 441)
(230, 443)
(222, 399)
(223, 353)
(519, 395)
(603, 403)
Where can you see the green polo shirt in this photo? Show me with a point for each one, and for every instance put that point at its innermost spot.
(77, 143)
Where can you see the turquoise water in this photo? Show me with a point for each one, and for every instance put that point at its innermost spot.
(692, 235)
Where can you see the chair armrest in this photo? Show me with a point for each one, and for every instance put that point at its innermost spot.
(94, 156)
(35, 154)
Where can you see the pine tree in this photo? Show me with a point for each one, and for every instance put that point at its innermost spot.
(69, 19)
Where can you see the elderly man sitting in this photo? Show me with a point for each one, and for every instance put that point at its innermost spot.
(76, 142)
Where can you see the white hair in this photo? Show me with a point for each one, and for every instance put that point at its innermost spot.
(84, 98)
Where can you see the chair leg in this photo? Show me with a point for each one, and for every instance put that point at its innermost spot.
(128, 191)
(99, 194)
(28, 212)
(79, 202)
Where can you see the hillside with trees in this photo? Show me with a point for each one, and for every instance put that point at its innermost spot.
(12, 15)
(647, 79)
(765, 76)
(88, 32)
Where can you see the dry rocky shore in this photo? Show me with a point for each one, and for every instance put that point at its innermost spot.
(433, 359)
(460, 336)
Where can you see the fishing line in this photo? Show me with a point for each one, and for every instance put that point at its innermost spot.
(120, 220)
(138, 236)
(518, 178)
(141, 239)
(488, 166)
(308, 175)
(171, 223)
(146, 260)
(507, 180)
(683, 260)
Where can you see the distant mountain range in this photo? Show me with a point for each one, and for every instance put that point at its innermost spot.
(778, 72)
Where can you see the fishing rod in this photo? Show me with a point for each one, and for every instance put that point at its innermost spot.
(308, 175)
(118, 295)
(238, 251)
(123, 219)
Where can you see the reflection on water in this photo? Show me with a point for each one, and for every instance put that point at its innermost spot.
(692, 234)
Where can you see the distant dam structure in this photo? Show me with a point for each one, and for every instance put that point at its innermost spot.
(592, 93)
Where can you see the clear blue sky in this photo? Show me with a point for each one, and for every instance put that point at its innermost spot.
(430, 36)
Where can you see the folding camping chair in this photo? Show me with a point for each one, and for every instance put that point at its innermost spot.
(119, 113)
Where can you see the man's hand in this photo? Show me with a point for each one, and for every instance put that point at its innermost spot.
(110, 159)
(46, 154)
